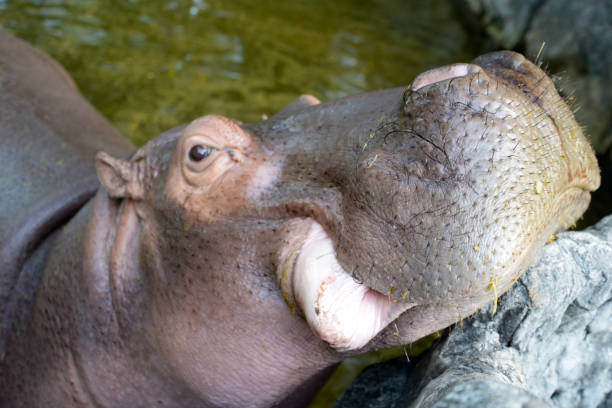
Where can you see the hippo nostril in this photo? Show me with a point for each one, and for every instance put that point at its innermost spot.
(504, 59)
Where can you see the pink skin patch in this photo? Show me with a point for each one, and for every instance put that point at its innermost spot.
(343, 312)
(441, 74)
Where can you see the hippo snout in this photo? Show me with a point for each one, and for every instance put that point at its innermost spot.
(447, 196)
(575, 151)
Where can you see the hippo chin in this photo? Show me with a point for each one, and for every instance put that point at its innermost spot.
(229, 264)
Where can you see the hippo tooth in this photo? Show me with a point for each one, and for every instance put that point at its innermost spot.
(343, 312)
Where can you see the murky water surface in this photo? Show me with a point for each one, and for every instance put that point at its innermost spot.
(151, 65)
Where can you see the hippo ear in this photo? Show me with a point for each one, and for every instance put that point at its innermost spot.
(119, 177)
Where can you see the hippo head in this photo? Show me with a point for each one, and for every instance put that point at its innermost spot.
(268, 251)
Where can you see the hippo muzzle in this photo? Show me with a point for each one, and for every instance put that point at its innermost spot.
(415, 205)
(438, 195)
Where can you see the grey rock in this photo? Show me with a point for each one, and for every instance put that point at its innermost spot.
(549, 343)
(505, 20)
(578, 37)
(379, 386)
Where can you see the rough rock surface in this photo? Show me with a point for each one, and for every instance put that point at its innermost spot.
(549, 344)
(578, 36)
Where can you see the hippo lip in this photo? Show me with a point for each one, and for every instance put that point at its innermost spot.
(576, 199)
(343, 312)
(588, 182)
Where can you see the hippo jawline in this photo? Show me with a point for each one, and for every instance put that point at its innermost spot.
(343, 312)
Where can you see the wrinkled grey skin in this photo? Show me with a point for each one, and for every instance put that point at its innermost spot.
(162, 289)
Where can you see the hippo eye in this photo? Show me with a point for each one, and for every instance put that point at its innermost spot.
(198, 152)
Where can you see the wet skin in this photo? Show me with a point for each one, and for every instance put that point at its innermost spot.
(225, 264)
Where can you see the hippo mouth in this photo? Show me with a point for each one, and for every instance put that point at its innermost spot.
(343, 312)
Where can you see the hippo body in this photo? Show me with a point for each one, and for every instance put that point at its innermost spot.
(47, 171)
(230, 264)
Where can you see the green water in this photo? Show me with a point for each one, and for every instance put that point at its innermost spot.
(151, 65)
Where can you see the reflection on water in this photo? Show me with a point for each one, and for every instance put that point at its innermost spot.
(150, 65)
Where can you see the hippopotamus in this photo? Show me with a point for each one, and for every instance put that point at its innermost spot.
(230, 264)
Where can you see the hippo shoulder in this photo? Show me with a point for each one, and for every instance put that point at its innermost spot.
(49, 135)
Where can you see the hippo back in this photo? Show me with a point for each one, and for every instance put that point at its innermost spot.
(49, 135)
